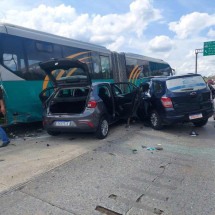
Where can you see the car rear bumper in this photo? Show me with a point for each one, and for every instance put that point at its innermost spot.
(171, 117)
(69, 124)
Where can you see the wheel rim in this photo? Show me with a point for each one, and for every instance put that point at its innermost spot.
(154, 119)
(104, 127)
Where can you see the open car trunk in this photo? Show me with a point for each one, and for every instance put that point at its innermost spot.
(69, 101)
(71, 82)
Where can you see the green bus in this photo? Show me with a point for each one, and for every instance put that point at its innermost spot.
(22, 49)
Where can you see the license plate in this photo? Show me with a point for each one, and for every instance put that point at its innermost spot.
(62, 123)
(195, 116)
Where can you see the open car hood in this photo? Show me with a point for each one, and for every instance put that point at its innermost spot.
(67, 72)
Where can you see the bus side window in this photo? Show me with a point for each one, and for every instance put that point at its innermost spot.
(12, 55)
(10, 61)
(38, 52)
(105, 67)
(96, 66)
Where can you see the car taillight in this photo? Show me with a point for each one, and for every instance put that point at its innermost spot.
(91, 104)
(167, 102)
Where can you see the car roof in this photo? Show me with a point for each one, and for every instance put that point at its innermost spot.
(164, 78)
(100, 82)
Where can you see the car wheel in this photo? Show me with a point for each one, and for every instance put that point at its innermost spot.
(155, 121)
(200, 123)
(53, 133)
(103, 128)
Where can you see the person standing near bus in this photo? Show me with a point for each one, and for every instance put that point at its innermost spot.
(4, 137)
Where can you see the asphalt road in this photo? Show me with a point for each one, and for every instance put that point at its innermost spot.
(124, 174)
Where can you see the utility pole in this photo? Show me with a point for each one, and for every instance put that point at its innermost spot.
(196, 52)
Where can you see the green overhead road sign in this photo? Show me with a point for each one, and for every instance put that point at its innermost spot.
(209, 48)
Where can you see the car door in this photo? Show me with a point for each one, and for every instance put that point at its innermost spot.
(157, 90)
(124, 96)
(106, 95)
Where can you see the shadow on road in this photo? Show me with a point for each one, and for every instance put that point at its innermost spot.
(24, 129)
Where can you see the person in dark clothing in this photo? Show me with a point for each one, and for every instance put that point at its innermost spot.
(4, 137)
(210, 83)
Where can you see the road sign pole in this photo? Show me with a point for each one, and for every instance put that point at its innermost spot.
(196, 52)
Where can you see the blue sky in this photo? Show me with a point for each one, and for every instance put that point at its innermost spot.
(167, 29)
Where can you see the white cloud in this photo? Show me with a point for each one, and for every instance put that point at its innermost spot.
(115, 46)
(161, 44)
(188, 30)
(64, 20)
(61, 20)
(182, 57)
(191, 24)
(135, 21)
(211, 33)
(142, 13)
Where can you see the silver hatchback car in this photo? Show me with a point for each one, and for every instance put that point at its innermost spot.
(75, 104)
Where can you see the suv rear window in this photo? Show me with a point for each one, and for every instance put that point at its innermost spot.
(186, 83)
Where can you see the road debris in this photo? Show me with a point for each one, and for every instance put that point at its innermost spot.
(158, 211)
(113, 196)
(134, 151)
(151, 148)
(193, 134)
(159, 148)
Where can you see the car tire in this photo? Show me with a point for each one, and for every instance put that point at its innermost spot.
(53, 133)
(103, 128)
(155, 121)
(200, 123)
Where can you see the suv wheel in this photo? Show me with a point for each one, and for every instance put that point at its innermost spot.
(53, 133)
(103, 128)
(201, 123)
(155, 121)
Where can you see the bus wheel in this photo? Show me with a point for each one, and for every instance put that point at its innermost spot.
(53, 133)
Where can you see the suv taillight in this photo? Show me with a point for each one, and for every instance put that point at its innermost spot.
(166, 102)
(91, 104)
